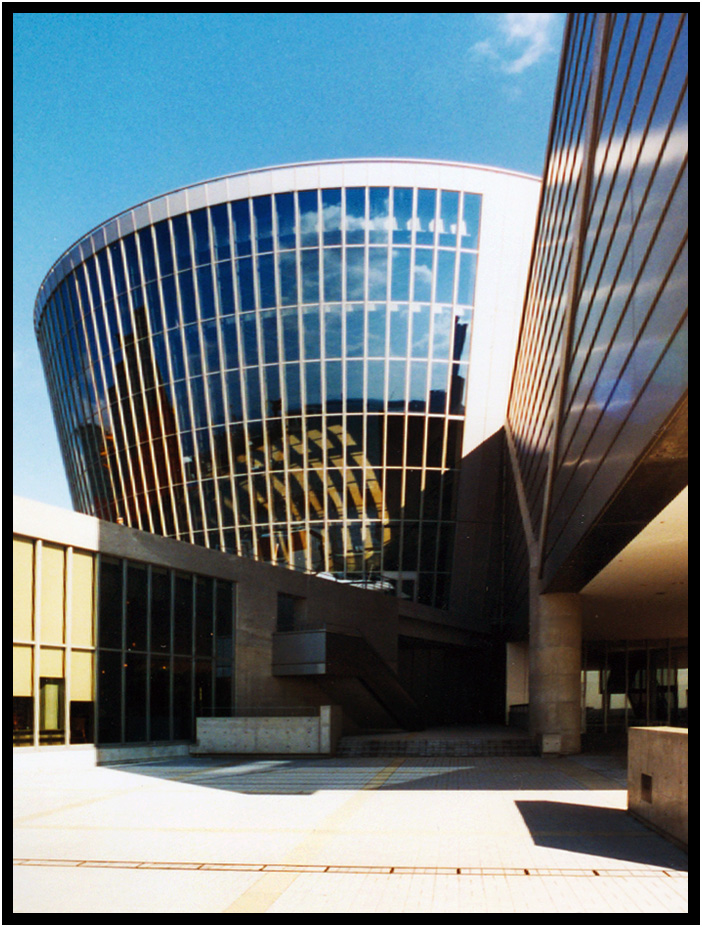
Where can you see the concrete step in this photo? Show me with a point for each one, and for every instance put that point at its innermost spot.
(418, 746)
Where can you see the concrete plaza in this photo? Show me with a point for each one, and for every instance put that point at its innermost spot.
(351, 835)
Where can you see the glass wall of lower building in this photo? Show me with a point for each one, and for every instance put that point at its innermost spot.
(53, 644)
(162, 652)
(165, 651)
(633, 683)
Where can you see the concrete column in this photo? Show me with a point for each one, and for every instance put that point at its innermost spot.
(555, 633)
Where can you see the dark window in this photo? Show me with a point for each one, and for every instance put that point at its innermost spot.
(242, 227)
(183, 614)
(203, 688)
(135, 697)
(163, 245)
(290, 612)
(110, 603)
(205, 291)
(22, 720)
(187, 296)
(266, 281)
(160, 698)
(136, 607)
(117, 270)
(225, 288)
(244, 272)
(109, 688)
(203, 616)
(250, 339)
(181, 235)
(160, 611)
(182, 699)
(285, 214)
(263, 219)
(148, 257)
(201, 236)
(82, 714)
(291, 337)
(224, 621)
(220, 228)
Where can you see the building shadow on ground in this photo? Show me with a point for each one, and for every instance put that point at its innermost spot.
(294, 775)
(596, 831)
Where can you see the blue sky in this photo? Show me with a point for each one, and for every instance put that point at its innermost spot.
(110, 109)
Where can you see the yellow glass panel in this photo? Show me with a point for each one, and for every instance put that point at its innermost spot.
(22, 588)
(52, 594)
(50, 662)
(22, 670)
(50, 710)
(81, 676)
(82, 600)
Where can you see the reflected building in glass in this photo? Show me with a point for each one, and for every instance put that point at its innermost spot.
(597, 418)
(290, 364)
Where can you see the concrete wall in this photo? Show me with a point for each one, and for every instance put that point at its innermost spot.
(286, 734)
(657, 780)
(323, 603)
(477, 565)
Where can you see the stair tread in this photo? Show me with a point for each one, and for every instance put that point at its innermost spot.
(429, 747)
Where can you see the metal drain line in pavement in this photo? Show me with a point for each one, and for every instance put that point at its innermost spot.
(301, 869)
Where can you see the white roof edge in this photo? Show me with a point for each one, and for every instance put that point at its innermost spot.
(436, 162)
(297, 164)
(50, 523)
(281, 167)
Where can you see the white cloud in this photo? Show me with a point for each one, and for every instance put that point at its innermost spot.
(523, 39)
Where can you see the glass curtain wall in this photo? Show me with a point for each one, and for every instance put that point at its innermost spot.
(165, 651)
(282, 377)
(630, 683)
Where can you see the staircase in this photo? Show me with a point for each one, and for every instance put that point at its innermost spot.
(440, 742)
(348, 668)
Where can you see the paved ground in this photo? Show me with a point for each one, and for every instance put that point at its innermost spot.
(350, 835)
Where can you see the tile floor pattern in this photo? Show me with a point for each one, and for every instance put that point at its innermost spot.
(352, 835)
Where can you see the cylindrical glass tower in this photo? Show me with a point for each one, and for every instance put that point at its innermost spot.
(275, 364)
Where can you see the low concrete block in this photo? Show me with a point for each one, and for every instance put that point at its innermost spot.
(551, 743)
(657, 790)
(283, 734)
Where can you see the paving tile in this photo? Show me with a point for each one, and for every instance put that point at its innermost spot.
(352, 835)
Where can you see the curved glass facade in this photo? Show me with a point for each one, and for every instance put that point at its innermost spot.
(279, 375)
